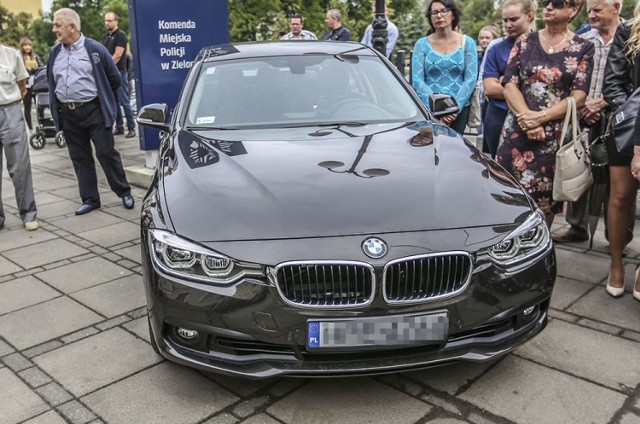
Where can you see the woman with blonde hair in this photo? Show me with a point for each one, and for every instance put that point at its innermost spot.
(518, 16)
(32, 62)
(545, 68)
(621, 78)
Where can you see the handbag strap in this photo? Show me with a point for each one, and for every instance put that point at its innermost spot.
(571, 107)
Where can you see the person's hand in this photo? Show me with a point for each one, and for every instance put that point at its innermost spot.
(536, 134)
(448, 120)
(590, 112)
(635, 165)
(530, 119)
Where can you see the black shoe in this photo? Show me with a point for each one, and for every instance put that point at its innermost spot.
(86, 208)
(118, 132)
(130, 134)
(127, 201)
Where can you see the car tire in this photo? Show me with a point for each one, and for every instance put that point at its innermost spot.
(37, 141)
(152, 337)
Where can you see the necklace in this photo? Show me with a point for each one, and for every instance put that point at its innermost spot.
(551, 49)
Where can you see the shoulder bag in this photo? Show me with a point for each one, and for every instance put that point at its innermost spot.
(624, 121)
(573, 171)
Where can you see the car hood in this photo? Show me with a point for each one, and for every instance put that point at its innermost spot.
(332, 181)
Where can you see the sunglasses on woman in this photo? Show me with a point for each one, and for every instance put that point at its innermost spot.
(557, 4)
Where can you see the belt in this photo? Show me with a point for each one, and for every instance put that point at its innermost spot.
(76, 105)
(10, 104)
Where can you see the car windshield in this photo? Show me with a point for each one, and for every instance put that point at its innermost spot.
(290, 91)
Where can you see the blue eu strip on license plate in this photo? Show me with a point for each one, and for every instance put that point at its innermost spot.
(400, 330)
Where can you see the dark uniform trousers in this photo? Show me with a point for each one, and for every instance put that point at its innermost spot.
(81, 126)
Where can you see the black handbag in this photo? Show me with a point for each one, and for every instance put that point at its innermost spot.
(624, 121)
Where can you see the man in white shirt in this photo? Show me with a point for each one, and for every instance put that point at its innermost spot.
(296, 23)
(13, 135)
(392, 32)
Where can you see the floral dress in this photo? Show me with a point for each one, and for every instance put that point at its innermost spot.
(544, 80)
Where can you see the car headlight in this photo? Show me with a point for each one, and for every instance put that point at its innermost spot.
(176, 256)
(522, 245)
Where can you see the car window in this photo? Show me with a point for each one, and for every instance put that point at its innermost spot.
(298, 90)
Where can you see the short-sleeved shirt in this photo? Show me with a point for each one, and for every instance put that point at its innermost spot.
(12, 70)
(340, 34)
(495, 64)
(304, 35)
(117, 38)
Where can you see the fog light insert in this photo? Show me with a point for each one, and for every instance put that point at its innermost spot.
(528, 310)
(187, 334)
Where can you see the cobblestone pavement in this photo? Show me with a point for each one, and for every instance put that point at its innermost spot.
(74, 345)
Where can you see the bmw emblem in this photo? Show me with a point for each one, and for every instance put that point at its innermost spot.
(374, 247)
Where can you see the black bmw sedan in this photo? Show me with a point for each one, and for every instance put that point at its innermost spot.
(309, 217)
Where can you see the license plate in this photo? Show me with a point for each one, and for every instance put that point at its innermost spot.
(399, 330)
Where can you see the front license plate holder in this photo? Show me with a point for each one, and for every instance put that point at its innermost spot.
(393, 330)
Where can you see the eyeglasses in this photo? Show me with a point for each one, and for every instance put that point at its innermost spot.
(557, 4)
(441, 12)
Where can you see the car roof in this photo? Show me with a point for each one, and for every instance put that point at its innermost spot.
(281, 48)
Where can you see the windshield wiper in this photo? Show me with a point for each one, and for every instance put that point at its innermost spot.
(210, 128)
(344, 124)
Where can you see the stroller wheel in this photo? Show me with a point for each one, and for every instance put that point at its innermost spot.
(60, 141)
(37, 141)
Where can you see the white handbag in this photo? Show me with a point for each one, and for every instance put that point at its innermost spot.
(573, 168)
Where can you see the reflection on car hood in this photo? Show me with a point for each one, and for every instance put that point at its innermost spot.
(335, 181)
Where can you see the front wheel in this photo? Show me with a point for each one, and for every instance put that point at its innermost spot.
(37, 141)
(60, 141)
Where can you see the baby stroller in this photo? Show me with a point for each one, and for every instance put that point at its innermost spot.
(45, 127)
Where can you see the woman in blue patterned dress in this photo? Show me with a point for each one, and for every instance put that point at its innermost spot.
(445, 62)
(544, 68)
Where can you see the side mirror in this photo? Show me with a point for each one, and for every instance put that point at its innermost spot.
(442, 105)
(154, 116)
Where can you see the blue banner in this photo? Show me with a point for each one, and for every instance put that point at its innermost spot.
(165, 38)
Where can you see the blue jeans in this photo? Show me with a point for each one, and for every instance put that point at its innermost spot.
(123, 100)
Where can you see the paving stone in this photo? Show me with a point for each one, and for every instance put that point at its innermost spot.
(377, 404)
(599, 306)
(260, 419)
(127, 263)
(96, 361)
(479, 419)
(28, 239)
(150, 396)
(5, 348)
(630, 418)
(16, 361)
(284, 386)
(98, 250)
(112, 257)
(77, 413)
(23, 292)
(27, 272)
(42, 348)
(115, 297)
(112, 235)
(7, 267)
(239, 386)
(81, 334)
(84, 257)
(606, 328)
(553, 313)
(140, 312)
(82, 223)
(584, 268)
(44, 253)
(524, 392)
(54, 394)
(250, 406)
(566, 291)
(223, 418)
(18, 401)
(449, 378)
(447, 421)
(34, 377)
(57, 209)
(81, 275)
(139, 327)
(402, 383)
(131, 253)
(587, 355)
(50, 417)
(57, 264)
(54, 318)
(633, 335)
(440, 402)
(113, 322)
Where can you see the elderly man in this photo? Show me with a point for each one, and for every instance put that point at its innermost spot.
(604, 18)
(13, 135)
(392, 32)
(82, 82)
(336, 31)
(296, 23)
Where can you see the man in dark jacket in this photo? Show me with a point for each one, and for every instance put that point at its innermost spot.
(82, 83)
(334, 24)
